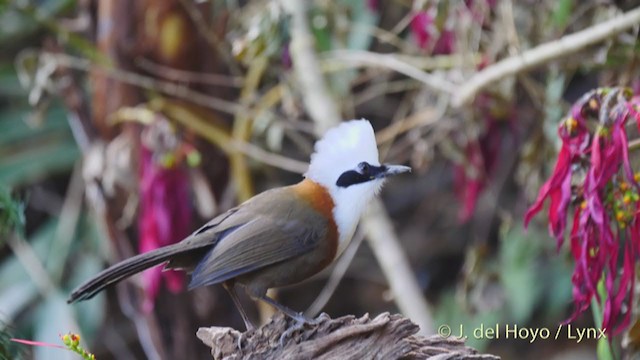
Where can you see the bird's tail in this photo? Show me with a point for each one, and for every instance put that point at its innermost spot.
(123, 270)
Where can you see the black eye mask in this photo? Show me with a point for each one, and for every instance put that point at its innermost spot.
(365, 172)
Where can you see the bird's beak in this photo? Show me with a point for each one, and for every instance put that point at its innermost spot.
(390, 170)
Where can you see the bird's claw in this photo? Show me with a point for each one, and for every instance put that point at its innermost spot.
(300, 322)
(240, 338)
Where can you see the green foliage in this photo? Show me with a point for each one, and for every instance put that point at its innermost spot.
(52, 315)
(518, 279)
(8, 349)
(526, 263)
(562, 13)
(11, 214)
(603, 348)
(30, 152)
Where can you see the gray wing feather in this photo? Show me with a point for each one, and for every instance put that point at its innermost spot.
(261, 242)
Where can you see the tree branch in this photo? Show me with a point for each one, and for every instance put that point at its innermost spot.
(384, 337)
(541, 54)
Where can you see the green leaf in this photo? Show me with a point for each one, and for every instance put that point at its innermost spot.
(519, 272)
(38, 163)
(11, 214)
(31, 153)
(12, 271)
(16, 285)
(8, 349)
(561, 13)
(451, 314)
(603, 347)
(363, 20)
(9, 84)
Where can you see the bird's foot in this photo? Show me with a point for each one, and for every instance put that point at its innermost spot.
(300, 322)
(241, 337)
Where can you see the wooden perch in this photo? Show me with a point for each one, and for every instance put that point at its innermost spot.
(384, 337)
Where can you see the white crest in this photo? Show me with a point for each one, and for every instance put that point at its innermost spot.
(341, 149)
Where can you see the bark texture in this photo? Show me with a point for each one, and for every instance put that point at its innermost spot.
(383, 337)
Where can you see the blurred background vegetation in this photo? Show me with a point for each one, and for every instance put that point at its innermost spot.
(209, 87)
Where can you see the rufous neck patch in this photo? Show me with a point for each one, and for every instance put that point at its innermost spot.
(317, 196)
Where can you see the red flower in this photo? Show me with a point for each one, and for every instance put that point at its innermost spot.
(427, 35)
(165, 210)
(605, 219)
(422, 28)
(482, 154)
(445, 43)
(372, 5)
(574, 135)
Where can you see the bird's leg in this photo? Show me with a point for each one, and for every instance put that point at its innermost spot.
(299, 318)
(230, 287)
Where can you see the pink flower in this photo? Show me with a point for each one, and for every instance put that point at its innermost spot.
(469, 180)
(605, 218)
(421, 28)
(165, 210)
(482, 154)
(427, 35)
(372, 5)
(557, 188)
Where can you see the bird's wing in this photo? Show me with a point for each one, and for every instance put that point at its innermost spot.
(272, 235)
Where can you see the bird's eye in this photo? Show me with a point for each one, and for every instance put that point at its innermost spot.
(363, 167)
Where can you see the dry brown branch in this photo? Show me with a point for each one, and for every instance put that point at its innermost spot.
(318, 102)
(180, 91)
(394, 63)
(546, 52)
(384, 337)
(173, 74)
(210, 37)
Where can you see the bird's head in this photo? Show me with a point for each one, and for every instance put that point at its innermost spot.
(346, 163)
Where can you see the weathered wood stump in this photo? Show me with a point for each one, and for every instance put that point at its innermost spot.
(384, 337)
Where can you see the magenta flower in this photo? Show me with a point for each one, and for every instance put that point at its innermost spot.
(605, 234)
(482, 154)
(165, 210)
(574, 135)
(445, 43)
(469, 180)
(372, 5)
(427, 36)
(422, 28)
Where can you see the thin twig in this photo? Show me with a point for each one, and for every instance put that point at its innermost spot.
(180, 91)
(341, 267)
(269, 158)
(227, 144)
(196, 16)
(69, 216)
(546, 52)
(174, 74)
(395, 265)
(424, 117)
(318, 102)
(634, 144)
(392, 62)
(31, 264)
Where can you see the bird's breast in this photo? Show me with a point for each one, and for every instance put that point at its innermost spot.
(319, 198)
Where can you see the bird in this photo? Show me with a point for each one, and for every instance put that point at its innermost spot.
(281, 236)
